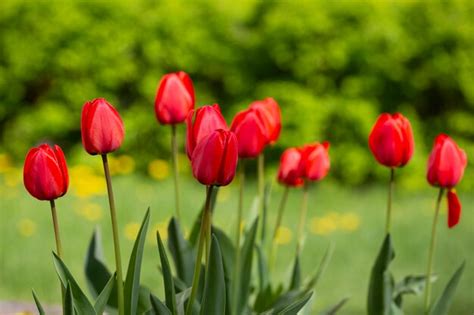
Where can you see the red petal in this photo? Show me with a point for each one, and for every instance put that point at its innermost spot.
(454, 209)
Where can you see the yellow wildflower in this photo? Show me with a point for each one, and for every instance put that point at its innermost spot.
(26, 227)
(283, 235)
(158, 169)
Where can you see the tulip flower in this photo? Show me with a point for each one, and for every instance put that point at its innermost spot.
(215, 157)
(392, 144)
(174, 98)
(446, 166)
(250, 132)
(103, 132)
(101, 127)
(316, 161)
(291, 170)
(200, 123)
(269, 112)
(45, 172)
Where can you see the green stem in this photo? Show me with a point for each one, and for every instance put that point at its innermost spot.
(281, 208)
(431, 252)
(115, 232)
(174, 154)
(59, 248)
(203, 232)
(261, 188)
(237, 238)
(304, 210)
(389, 201)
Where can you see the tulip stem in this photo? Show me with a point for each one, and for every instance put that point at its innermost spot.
(389, 201)
(174, 154)
(261, 188)
(203, 234)
(303, 212)
(113, 216)
(281, 208)
(237, 237)
(431, 252)
(59, 248)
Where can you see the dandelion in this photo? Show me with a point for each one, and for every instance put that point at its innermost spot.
(26, 227)
(158, 169)
(283, 235)
(349, 222)
(131, 230)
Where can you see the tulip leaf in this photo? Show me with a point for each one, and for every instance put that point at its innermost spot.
(296, 274)
(296, 305)
(182, 252)
(158, 307)
(266, 200)
(167, 277)
(335, 308)
(409, 285)
(443, 303)
(68, 307)
(313, 281)
(80, 300)
(262, 268)
(246, 266)
(132, 282)
(101, 301)
(380, 287)
(193, 236)
(214, 297)
(38, 303)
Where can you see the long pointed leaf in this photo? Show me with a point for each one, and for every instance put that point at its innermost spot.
(101, 301)
(296, 274)
(228, 258)
(321, 268)
(297, 305)
(38, 304)
(182, 252)
(167, 277)
(246, 267)
(262, 268)
(68, 307)
(214, 298)
(80, 300)
(132, 282)
(335, 308)
(379, 298)
(443, 303)
(158, 306)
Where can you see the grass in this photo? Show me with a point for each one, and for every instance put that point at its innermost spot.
(353, 219)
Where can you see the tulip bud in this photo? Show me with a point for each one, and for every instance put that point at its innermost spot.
(200, 123)
(101, 127)
(250, 132)
(174, 98)
(391, 140)
(269, 112)
(316, 161)
(45, 172)
(454, 208)
(291, 170)
(446, 163)
(215, 158)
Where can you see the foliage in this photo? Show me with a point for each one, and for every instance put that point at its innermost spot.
(335, 63)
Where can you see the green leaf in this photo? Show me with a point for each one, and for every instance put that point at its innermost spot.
(296, 274)
(246, 267)
(38, 304)
(101, 301)
(267, 297)
(228, 258)
(266, 200)
(193, 236)
(167, 277)
(158, 306)
(262, 268)
(296, 305)
(214, 298)
(335, 308)
(68, 308)
(443, 303)
(132, 282)
(80, 300)
(409, 285)
(313, 281)
(379, 297)
(182, 252)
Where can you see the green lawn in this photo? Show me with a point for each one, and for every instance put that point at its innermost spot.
(351, 218)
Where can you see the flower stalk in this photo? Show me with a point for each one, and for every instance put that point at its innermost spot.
(389, 201)
(431, 252)
(174, 157)
(113, 216)
(303, 212)
(261, 189)
(281, 209)
(237, 237)
(57, 237)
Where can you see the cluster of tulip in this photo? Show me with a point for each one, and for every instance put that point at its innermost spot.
(214, 150)
(392, 144)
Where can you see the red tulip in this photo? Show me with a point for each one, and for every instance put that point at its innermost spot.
(446, 163)
(269, 112)
(391, 140)
(316, 160)
(291, 170)
(454, 208)
(101, 127)
(215, 158)
(250, 132)
(45, 172)
(200, 123)
(174, 98)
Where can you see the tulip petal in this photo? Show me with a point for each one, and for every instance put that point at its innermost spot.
(454, 208)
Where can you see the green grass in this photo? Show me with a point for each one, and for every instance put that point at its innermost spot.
(26, 262)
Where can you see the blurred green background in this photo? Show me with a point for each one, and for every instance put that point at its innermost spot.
(333, 66)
